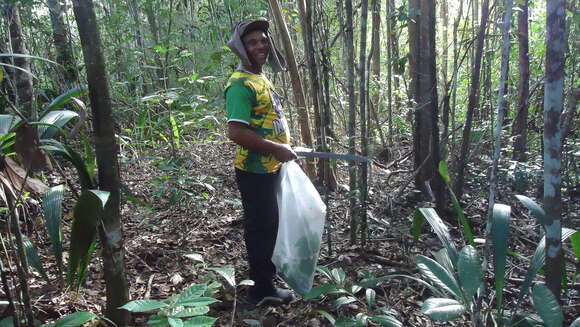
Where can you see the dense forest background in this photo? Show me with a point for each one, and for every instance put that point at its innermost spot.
(117, 186)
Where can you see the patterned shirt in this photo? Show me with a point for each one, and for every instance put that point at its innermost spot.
(251, 99)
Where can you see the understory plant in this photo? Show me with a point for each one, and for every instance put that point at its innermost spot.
(457, 277)
(362, 293)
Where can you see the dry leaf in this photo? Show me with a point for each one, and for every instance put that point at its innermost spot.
(16, 175)
(27, 145)
(176, 279)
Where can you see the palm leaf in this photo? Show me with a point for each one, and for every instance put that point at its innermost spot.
(500, 233)
(438, 275)
(52, 207)
(441, 230)
(87, 214)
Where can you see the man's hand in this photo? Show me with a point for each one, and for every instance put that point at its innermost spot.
(284, 153)
(242, 135)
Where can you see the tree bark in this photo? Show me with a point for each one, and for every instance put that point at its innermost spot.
(110, 230)
(64, 52)
(296, 84)
(376, 71)
(349, 44)
(423, 91)
(520, 127)
(553, 103)
(22, 80)
(363, 98)
(472, 102)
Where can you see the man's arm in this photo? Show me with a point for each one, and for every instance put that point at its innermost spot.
(242, 135)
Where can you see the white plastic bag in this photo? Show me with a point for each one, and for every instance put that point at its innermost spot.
(302, 214)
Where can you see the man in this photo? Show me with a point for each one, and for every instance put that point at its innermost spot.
(256, 123)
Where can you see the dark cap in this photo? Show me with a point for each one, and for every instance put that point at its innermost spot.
(248, 26)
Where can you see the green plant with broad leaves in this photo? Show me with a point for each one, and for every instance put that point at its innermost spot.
(341, 293)
(456, 277)
(90, 204)
(75, 319)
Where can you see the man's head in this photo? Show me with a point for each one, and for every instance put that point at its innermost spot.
(252, 43)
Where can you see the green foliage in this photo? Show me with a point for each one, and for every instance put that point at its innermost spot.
(340, 293)
(461, 279)
(76, 319)
(185, 309)
(87, 213)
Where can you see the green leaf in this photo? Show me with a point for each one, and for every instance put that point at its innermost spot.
(460, 215)
(575, 239)
(438, 275)
(8, 123)
(75, 319)
(32, 256)
(228, 273)
(87, 213)
(327, 315)
(346, 322)
(536, 264)
(325, 271)
(64, 99)
(576, 323)
(200, 301)
(246, 282)
(344, 300)
(442, 257)
(500, 234)
(536, 210)
(201, 321)
(71, 155)
(191, 312)
(175, 131)
(193, 292)
(52, 208)
(441, 231)
(417, 227)
(442, 309)
(385, 320)
(547, 306)
(175, 322)
(370, 295)
(144, 305)
(53, 122)
(338, 275)
(318, 291)
(470, 273)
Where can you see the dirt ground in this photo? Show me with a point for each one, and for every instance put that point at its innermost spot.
(194, 208)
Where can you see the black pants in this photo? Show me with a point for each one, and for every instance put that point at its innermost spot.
(260, 226)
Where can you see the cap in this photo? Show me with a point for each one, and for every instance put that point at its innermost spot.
(248, 26)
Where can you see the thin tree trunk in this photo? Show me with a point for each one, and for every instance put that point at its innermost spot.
(389, 12)
(349, 44)
(520, 128)
(22, 80)
(296, 84)
(64, 51)
(152, 20)
(376, 71)
(110, 229)
(553, 103)
(363, 98)
(473, 102)
(133, 6)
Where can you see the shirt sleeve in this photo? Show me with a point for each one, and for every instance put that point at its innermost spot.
(239, 103)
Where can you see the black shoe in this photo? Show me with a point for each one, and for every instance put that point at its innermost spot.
(280, 296)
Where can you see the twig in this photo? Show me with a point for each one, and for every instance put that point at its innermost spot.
(140, 260)
(148, 290)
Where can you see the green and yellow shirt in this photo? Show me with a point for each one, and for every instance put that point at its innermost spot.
(251, 99)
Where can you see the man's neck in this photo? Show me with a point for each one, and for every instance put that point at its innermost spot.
(253, 69)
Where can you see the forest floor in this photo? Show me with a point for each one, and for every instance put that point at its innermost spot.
(193, 209)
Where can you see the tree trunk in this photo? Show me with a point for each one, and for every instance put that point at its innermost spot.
(423, 91)
(296, 84)
(363, 98)
(349, 44)
(553, 102)
(153, 26)
(376, 71)
(520, 128)
(110, 231)
(22, 80)
(472, 102)
(389, 18)
(133, 7)
(64, 52)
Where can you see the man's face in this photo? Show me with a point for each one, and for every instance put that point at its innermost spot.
(257, 47)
